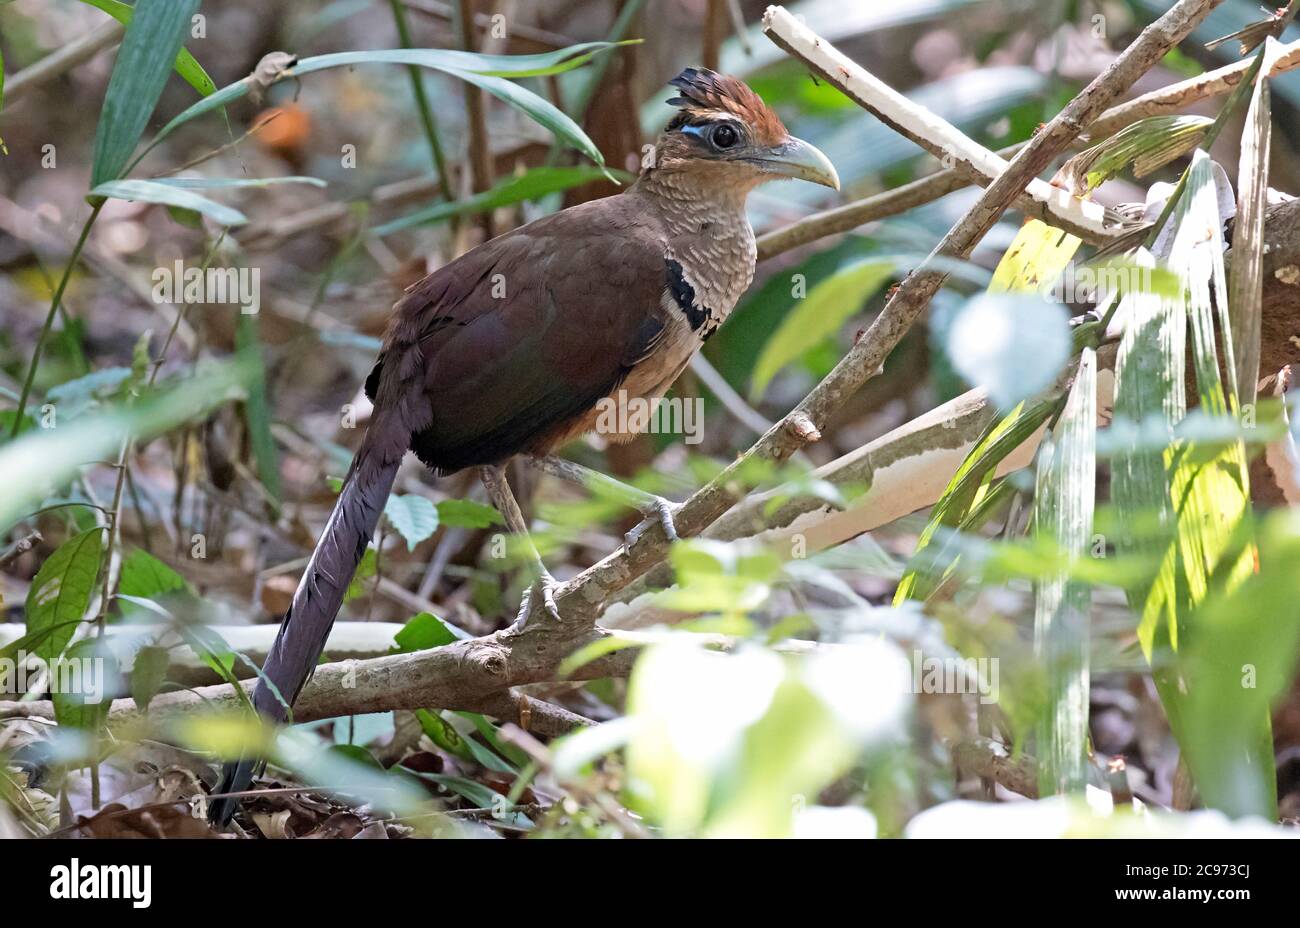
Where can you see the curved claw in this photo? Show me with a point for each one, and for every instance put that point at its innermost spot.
(545, 587)
(657, 510)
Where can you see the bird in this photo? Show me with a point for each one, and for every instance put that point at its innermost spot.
(514, 347)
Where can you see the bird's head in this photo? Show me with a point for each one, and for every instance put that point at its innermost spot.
(727, 134)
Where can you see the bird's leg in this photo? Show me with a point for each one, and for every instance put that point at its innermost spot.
(650, 505)
(542, 592)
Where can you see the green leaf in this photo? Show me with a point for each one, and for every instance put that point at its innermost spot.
(414, 517)
(365, 570)
(1146, 144)
(465, 513)
(79, 690)
(538, 182)
(963, 496)
(1063, 512)
(818, 316)
(153, 39)
(76, 396)
(148, 674)
(484, 71)
(443, 734)
(225, 183)
(186, 65)
(150, 191)
(39, 462)
(146, 576)
(61, 590)
(421, 632)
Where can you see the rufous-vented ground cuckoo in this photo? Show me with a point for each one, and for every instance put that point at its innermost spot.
(511, 348)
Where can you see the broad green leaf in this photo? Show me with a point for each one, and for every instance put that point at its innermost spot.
(414, 517)
(1063, 511)
(818, 316)
(153, 39)
(146, 576)
(421, 632)
(61, 590)
(186, 65)
(148, 674)
(149, 191)
(465, 513)
(485, 71)
(538, 182)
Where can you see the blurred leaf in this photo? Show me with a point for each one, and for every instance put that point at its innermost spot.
(1012, 345)
(365, 570)
(414, 517)
(61, 590)
(148, 191)
(76, 396)
(226, 183)
(1240, 657)
(818, 316)
(144, 575)
(39, 462)
(148, 674)
(186, 65)
(537, 182)
(465, 513)
(153, 40)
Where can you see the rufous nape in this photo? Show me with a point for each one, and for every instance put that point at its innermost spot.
(511, 348)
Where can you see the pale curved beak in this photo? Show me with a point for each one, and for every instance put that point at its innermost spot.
(800, 160)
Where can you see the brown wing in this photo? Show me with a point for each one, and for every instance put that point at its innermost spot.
(526, 333)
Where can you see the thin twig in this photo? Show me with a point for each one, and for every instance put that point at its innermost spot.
(49, 319)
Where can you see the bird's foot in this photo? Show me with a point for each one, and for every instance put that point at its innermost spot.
(539, 600)
(656, 509)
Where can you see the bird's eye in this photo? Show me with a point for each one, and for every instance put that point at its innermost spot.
(724, 136)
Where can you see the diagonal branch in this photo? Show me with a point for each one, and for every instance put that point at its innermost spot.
(581, 598)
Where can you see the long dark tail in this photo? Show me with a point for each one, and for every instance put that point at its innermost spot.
(316, 603)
